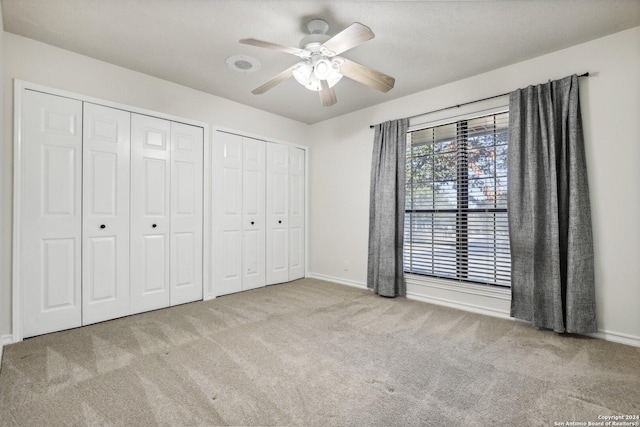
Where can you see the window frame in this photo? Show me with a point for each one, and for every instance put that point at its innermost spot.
(462, 215)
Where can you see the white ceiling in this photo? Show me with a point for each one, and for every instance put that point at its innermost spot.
(422, 44)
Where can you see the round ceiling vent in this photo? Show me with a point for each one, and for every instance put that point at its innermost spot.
(243, 63)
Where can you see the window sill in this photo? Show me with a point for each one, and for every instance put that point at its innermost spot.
(461, 287)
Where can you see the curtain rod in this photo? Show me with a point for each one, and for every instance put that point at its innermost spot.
(467, 103)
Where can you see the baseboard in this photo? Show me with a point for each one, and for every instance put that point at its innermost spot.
(460, 305)
(346, 282)
(4, 340)
(432, 300)
(618, 337)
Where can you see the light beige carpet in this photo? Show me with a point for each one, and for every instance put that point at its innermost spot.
(314, 353)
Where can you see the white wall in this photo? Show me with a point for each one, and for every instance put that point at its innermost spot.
(35, 62)
(610, 98)
(341, 155)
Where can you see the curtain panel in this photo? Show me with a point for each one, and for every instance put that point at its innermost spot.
(386, 209)
(549, 212)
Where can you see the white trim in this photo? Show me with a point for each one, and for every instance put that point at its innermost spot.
(306, 211)
(346, 282)
(19, 87)
(617, 337)
(4, 340)
(16, 289)
(207, 285)
(216, 128)
(460, 287)
(21, 84)
(473, 308)
(485, 291)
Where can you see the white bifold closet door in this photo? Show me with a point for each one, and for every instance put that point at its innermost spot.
(227, 214)
(166, 213)
(111, 211)
(186, 213)
(253, 213)
(296, 213)
(105, 223)
(238, 213)
(51, 213)
(277, 205)
(150, 213)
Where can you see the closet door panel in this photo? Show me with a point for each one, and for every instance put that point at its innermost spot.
(186, 213)
(150, 213)
(296, 213)
(277, 205)
(51, 213)
(105, 258)
(100, 259)
(227, 213)
(253, 207)
(231, 262)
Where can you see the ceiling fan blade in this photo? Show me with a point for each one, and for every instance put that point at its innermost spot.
(273, 46)
(367, 76)
(352, 36)
(274, 81)
(327, 94)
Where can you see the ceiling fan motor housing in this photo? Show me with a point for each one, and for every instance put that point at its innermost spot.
(317, 33)
(318, 26)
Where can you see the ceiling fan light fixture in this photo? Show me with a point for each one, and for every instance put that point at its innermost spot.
(323, 69)
(302, 73)
(334, 78)
(305, 74)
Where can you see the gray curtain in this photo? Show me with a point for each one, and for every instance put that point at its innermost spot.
(386, 209)
(552, 279)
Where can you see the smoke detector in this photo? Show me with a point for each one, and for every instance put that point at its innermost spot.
(243, 63)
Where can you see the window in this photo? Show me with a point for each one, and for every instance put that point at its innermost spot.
(456, 201)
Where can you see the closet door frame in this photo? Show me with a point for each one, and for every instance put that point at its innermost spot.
(217, 129)
(20, 86)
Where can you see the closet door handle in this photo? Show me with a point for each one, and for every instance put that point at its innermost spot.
(279, 221)
(252, 222)
(154, 225)
(102, 226)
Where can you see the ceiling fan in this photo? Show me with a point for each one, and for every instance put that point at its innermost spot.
(321, 67)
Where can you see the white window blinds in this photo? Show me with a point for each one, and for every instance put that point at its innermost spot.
(456, 201)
